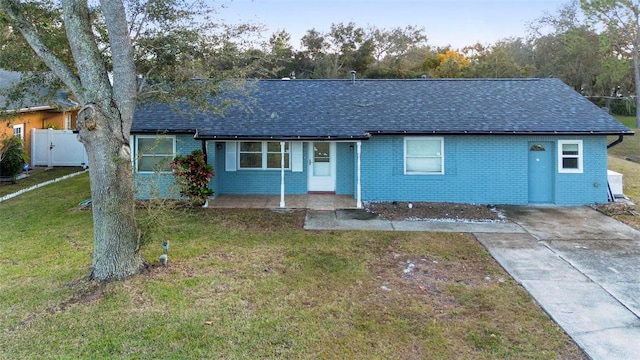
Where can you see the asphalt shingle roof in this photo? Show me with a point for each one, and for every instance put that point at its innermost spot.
(39, 98)
(343, 109)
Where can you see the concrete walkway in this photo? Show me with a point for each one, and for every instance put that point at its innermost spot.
(582, 267)
(357, 219)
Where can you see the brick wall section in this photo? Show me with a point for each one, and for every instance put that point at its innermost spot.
(345, 180)
(254, 182)
(163, 185)
(591, 186)
(479, 169)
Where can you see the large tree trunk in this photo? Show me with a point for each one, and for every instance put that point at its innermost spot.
(636, 74)
(103, 124)
(115, 254)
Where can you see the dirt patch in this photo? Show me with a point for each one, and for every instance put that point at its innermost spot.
(617, 208)
(435, 211)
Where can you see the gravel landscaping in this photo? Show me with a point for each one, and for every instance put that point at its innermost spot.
(435, 211)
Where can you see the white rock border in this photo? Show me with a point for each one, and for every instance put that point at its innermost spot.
(10, 196)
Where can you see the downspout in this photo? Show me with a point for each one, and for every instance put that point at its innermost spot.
(620, 137)
(610, 195)
(203, 147)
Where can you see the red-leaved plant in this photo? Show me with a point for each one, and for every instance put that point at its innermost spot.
(193, 176)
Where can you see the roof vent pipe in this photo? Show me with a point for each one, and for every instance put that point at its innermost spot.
(353, 76)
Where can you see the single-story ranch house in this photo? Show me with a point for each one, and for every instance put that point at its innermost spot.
(485, 141)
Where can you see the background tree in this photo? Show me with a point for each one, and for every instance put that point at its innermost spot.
(566, 47)
(616, 69)
(446, 63)
(624, 17)
(281, 54)
(573, 56)
(395, 52)
(352, 46)
(499, 60)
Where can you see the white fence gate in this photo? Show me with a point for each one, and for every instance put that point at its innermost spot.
(56, 148)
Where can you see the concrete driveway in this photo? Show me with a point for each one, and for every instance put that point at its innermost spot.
(583, 268)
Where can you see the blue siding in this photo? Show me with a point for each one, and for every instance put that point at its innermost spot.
(479, 169)
(211, 159)
(253, 182)
(590, 186)
(345, 155)
(163, 184)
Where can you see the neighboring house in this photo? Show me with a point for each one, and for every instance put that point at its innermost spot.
(19, 117)
(487, 141)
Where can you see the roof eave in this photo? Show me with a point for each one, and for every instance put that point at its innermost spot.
(281, 137)
(162, 131)
(457, 132)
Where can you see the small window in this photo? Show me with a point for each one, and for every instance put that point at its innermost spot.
(423, 155)
(274, 155)
(18, 130)
(154, 154)
(262, 155)
(570, 156)
(67, 121)
(250, 155)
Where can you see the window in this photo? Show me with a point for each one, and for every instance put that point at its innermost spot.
(262, 155)
(18, 130)
(423, 155)
(570, 156)
(154, 154)
(67, 121)
(250, 155)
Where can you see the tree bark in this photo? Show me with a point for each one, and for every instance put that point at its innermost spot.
(636, 73)
(115, 254)
(103, 125)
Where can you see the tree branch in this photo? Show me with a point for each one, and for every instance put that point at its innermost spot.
(86, 54)
(13, 9)
(124, 69)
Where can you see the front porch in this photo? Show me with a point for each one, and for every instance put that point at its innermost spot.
(308, 201)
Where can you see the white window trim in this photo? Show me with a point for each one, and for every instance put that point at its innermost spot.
(404, 159)
(138, 155)
(67, 121)
(264, 153)
(21, 127)
(580, 157)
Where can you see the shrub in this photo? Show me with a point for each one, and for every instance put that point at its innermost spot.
(12, 156)
(193, 176)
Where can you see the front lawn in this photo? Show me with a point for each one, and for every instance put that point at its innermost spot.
(625, 159)
(36, 176)
(252, 284)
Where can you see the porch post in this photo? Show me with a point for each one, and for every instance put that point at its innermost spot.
(359, 188)
(282, 174)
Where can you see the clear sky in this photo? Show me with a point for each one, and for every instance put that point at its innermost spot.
(455, 22)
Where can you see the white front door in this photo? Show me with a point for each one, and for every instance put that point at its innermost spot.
(322, 166)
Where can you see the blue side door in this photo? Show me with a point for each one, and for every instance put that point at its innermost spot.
(541, 172)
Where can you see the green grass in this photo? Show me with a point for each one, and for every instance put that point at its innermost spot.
(36, 176)
(252, 284)
(628, 121)
(630, 145)
(625, 159)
